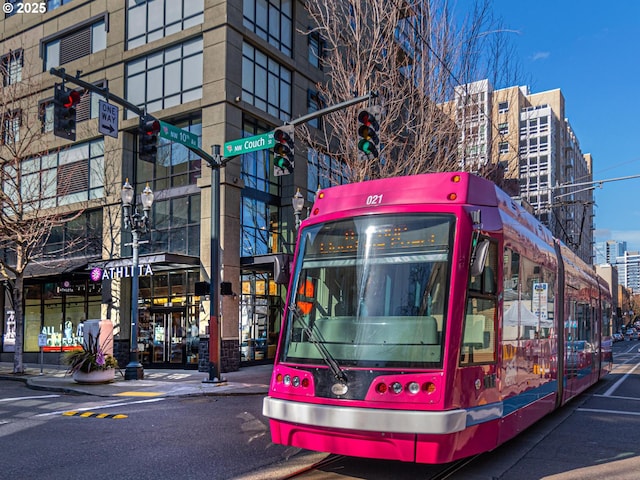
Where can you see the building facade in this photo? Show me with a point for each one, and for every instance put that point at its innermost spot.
(629, 270)
(529, 136)
(220, 70)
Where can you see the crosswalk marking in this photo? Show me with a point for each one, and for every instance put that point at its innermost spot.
(19, 399)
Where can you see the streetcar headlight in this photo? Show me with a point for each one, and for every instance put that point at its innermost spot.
(396, 387)
(287, 379)
(296, 381)
(413, 387)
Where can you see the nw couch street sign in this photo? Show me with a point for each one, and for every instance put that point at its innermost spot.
(249, 144)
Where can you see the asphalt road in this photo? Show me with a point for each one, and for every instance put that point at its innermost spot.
(155, 438)
(596, 436)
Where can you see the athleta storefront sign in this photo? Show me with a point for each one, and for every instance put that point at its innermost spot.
(98, 274)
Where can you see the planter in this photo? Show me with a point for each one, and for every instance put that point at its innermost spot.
(95, 376)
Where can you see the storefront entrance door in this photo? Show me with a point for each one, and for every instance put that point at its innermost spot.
(168, 342)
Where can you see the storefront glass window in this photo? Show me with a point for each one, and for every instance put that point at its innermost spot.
(58, 309)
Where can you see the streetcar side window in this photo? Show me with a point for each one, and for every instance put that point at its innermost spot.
(479, 335)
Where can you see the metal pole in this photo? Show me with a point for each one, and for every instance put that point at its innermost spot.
(215, 329)
(134, 370)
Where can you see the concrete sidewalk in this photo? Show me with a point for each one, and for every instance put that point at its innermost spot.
(251, 380)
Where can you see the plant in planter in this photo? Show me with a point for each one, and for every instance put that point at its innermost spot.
(91, 363)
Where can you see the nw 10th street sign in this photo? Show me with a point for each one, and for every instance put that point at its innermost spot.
(249, 144)
(178, 135)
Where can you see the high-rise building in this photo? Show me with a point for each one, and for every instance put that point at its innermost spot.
(629, 270)
(608, 251)
(529, 136)
(221, 71)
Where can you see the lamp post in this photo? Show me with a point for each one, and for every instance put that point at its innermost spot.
(138, 224)
(298, 204)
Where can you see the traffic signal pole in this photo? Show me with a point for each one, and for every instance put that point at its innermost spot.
(332, 108)
(215, 161)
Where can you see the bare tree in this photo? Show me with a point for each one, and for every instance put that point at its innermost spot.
(414, 55)
(30, 205)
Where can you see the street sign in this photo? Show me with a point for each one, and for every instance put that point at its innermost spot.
(249, 144)
(42, 340)
(108, 119)
(176, 134)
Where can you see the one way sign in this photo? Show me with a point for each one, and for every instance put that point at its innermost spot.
(108, 119)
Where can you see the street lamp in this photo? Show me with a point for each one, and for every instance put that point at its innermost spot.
(298, 204)
(138, 224)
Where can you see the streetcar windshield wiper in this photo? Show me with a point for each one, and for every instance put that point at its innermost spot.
(315, 337)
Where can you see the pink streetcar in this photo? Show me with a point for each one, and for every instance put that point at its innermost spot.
(430, 318)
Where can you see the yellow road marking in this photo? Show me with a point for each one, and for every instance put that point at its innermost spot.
(139, 394)
(95, 415)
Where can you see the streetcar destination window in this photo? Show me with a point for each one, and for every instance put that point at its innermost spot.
(372, 290)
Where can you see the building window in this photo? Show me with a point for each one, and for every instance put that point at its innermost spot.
(85, 40)
(71, 175)
(175, 226)
(317, 47)
(503, 107)
(271, 20)
(79, 237)
(149, 20)
(503, 128)
(53, 4)
(260, 198)
(257, 169)
(11, 127)
(11, 67)
(35, 7)
(259, 222)
(170, 77)
(503, 147)
(265, 83)
(175, 165)
(313, 105)
(323, 171)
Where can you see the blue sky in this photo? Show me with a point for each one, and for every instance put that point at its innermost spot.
(591, 51)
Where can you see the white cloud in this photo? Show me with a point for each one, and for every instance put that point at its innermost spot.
(540, 56)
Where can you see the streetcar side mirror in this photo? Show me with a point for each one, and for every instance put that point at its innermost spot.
(478, 257)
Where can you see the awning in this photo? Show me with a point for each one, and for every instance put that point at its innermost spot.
(159, 261)
(50, 268)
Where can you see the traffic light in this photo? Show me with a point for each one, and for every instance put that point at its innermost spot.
(148, 138)
(283, 151)
(64, 112)
(368, 131)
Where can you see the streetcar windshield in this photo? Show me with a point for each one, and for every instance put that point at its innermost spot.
(371, 291)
